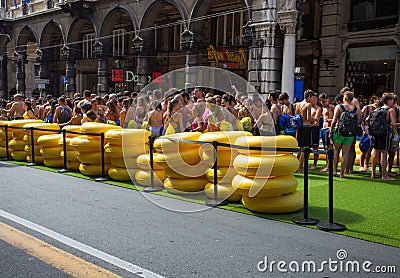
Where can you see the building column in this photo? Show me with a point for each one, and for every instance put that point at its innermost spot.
(102, 75)
(70, 72)
(288, 22)
(397, 72)
(191, 71)
(21, 60)
(142, 71)
(3, 74)
(264, 67)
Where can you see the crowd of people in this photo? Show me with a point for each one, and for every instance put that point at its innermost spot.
(314, 121)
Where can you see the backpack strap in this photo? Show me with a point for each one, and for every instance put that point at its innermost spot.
(342, 107)
(355, 109)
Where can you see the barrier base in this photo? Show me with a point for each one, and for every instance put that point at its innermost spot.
(213, 203)
(327, 226)
(305, 221)
(62, 171)
(152, 189)
(100, 179)
(31, 164)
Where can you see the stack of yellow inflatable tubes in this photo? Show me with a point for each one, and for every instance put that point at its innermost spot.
(72, 155)
(266, 179)
(122, 148)
(225, 158)
(51, 150)
(185, 174)
(89, 148)
(50, 129)
(3, 139)
(17, 143)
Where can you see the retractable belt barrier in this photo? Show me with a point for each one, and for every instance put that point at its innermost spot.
(305, 219)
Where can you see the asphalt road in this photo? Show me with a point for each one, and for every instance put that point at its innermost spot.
(207, 243)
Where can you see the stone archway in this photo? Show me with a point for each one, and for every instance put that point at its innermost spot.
(116, 37)
(160, 29)
(25, 57)
(81, 63)
(6, 46)
(49, 57)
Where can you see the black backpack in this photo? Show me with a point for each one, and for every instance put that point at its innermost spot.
(348, 123)
(378, 124)
(65, 115)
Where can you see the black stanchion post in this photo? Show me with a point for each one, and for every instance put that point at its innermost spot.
(103, 172)
(152, 188)
(65, 170)
(32, 148)
(305, 220)
(215, 202)
(331, 225)
(7, 149)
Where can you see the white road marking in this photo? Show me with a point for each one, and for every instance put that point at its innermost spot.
(137, 270)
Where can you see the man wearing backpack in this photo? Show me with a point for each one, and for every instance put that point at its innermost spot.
(63, 112)
(381, 123)
(346, 120)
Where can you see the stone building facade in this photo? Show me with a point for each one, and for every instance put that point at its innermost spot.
(67, 46)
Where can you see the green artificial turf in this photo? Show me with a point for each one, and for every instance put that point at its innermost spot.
(369, 209)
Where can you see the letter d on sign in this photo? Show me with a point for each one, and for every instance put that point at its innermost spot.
(262, 266)
(129, 76)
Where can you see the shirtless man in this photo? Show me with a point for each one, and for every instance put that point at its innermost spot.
(365, 157)
(327, 114)
(17, 108)
(275, 110)
(304, 133)
(316, 112)
(287, 107)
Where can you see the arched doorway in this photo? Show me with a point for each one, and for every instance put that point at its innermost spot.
(161, 27)
(218, 27)
(50, 65)
(80, 58)
(117, 34)
(25, 58)
(6, 47)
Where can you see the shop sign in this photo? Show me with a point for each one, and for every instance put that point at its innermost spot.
(156, 76)
(226, 56)
(120, 76)
(117, 76)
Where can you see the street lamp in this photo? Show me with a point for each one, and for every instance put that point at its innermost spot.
(137, 44)
(97, 49)
(248, 33)
(187, 39)
(65, 52)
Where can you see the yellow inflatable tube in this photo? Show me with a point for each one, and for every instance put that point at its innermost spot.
(280, 141)
(225, 192)
(91, 158)
(17, 145)
(265, 166)
(125, 151)
(143, 178)
(186, 185)
(97, 128)
(224, 174)
(19, 155)
(51, 152)
(50, 140)
(181, 158)
(264, 187)
(124, 137)
(120, 174)
(86, 143)
(50, 128)
(93, 169)
(227, 137)
(283, 204)
(143, 162)
(225, 158)
(163, 144)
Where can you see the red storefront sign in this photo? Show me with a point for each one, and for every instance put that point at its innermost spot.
(156, 77)
(117, 76)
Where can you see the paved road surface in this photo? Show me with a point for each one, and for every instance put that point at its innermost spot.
(209, 243)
